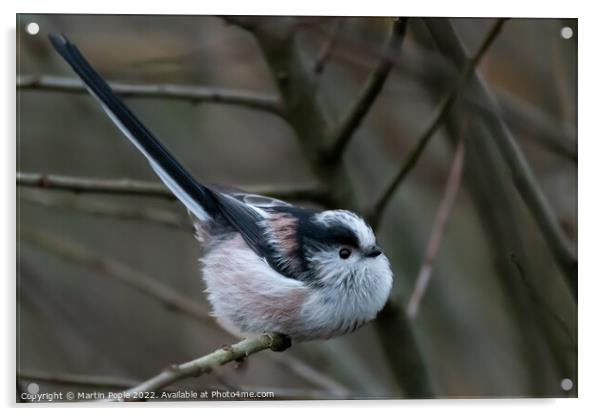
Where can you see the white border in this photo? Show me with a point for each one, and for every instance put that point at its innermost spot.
(590, 209)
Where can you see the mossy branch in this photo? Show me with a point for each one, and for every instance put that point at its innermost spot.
(207, 363)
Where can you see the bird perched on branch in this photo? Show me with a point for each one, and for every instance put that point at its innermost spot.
(268, 265)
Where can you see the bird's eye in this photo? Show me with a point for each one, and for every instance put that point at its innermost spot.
(344, 253)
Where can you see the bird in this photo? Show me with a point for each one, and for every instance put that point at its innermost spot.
(268, 265)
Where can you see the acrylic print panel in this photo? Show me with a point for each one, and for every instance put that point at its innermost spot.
(452, 140)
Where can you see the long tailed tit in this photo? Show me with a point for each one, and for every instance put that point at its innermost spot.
(268, 265)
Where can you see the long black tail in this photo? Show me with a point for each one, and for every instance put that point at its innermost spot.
(196, 197)
(203, 202)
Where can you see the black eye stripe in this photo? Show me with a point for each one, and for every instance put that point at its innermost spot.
(319, 236)
(340, 235)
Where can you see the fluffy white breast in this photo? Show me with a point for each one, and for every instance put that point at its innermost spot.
(351, 296)
(246, 294)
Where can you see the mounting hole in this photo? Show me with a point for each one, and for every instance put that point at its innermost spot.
(32, 28)
(566, 32)
(33, 388)
(566, 384)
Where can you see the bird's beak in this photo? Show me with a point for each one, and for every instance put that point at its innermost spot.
(374, 251)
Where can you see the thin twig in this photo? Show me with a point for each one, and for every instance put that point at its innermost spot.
(149, 189)
(443, 214)
(310, 374)
(207, 363)
(446, 104)
(94, 185)
(194, 94)
(523, 177)
(73, 252)
(343, 132)
(111, 209)
(325, 52)
(105, 382)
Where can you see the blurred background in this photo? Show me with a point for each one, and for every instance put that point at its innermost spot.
(497, 318)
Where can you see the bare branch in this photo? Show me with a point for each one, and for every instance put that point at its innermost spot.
(244, 22)
(324, 54)
(443, 214)
(93, 185)
(353, 117)
(75, 253)
(106, 382)
(112, 209)
(194, 94)
(310, 374)
(446, 104)
(148, 189)
(524, 180)
(208, 363)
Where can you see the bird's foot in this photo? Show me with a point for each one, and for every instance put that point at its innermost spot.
(281, 342)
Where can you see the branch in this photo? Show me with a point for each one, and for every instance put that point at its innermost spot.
(207, 363)
(522, 175)
(194, 94)
(106, 382)
(311, 375)
(148, 189)
(93, 185)
(446, 104)
(111, 209)
(343, 132)
(406, 359)
(326, 50)
(443, 214)
(75, 253)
